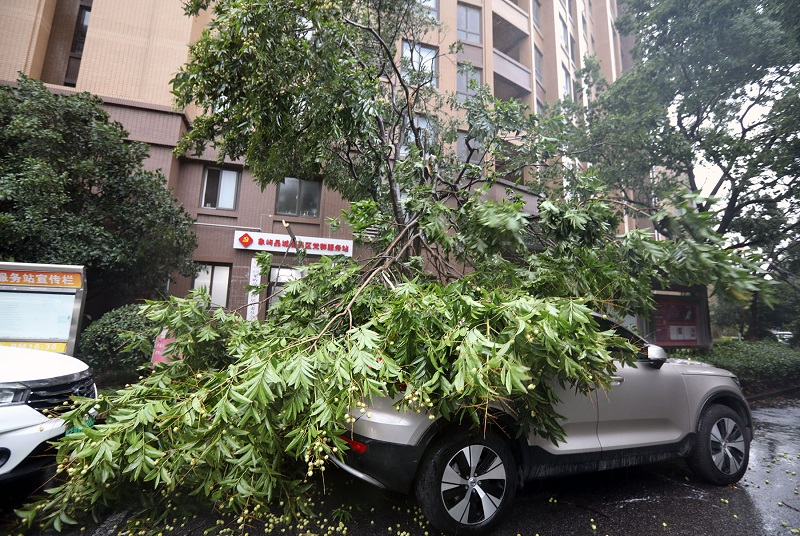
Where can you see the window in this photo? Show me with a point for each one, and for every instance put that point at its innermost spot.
(620, 331)
(462, 150)
(573, 50)
(426, 128)
(567, 82)
(220, 187)
(464, 87)
(278, 277)
(432, 6)
(423, 63)
(78, 41)
(539, 106)
(538, 64)
(583, 24)
(537, 13)
(564, 34)
(469, 23)
(214, 279)
(81, 28)
(298, 197)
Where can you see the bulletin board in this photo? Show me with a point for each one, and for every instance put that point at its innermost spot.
(41, 305)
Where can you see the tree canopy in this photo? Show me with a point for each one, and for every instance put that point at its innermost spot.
(468, 304)
(73, 191)
(711, 105)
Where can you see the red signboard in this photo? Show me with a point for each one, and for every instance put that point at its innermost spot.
(676, 321)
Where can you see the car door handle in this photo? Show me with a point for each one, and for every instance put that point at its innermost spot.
(616, 380)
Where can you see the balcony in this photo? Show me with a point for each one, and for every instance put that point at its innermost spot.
(511, 15)
(512, 79)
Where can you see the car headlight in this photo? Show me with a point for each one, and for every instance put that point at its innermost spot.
(13, 393)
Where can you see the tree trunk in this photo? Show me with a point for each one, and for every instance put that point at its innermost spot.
(754, 329)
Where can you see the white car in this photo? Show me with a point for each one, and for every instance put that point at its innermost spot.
(465, 479)
(33, 382)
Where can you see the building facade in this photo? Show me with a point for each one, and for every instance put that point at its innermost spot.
(127, 53)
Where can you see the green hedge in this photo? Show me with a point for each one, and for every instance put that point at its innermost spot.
(102, 344)
(760, 365)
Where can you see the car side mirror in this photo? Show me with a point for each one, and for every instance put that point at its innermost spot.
(656, 356)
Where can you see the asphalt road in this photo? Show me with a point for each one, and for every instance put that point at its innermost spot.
(659, 499)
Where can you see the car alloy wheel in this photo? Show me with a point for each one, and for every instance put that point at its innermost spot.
(473, 484)
(722, 446)
(727, 446)
(466, 482)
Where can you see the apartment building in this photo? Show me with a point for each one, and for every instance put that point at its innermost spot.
(530, 49)
(127, 52)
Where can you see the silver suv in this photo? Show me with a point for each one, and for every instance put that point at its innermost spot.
(465, 480)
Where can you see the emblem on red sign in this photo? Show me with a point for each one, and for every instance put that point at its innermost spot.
(246, 240)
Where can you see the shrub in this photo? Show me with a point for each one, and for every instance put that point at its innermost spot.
(103, 344)
(760, 365)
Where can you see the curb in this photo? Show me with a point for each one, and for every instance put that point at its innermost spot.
(773, 394)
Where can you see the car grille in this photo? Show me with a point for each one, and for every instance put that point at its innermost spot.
(52, 397)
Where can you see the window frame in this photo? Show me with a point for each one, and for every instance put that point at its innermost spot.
(467, 34)
(211, 287)
(462, 150)
(78, 42)
(204, 188)
(301, 185)
(432, 6)
(428, 129)
(573, 50)
(538, 65)
(567, 87)
(79, 35)
(463, 78)
(279, 276)
(536, 14)
(412, 54)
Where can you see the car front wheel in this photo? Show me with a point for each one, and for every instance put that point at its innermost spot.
(466, 482)
(722, 449)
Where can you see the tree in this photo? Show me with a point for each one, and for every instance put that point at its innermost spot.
(73, 191)
(781, 312)
(711, 105)
(468, 303)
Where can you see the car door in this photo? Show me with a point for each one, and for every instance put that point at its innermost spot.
(580, 451)
(579, 424)
(645, 406)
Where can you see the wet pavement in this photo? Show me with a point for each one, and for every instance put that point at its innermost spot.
(772, 479)
(659, 499)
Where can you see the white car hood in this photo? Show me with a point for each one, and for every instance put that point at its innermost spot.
(22, 365)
